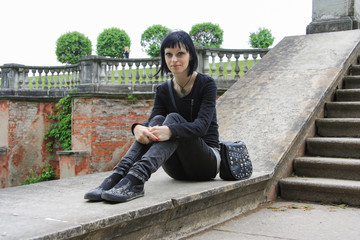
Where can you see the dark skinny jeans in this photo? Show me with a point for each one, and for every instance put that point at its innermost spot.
(190, 159)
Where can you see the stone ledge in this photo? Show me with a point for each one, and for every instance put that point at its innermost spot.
(170, 208)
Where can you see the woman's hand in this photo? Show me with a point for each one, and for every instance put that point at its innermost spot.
(143, 135)
(162, 133)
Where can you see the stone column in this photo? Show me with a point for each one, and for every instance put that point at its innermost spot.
(90, 67)
(334, 15)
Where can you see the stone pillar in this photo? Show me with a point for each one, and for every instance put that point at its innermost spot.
(90, 67)
(74, 163)
(334, 15)
(10, 76)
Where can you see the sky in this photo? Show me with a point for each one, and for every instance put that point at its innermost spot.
(30, 28)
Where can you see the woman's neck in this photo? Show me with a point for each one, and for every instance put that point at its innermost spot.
(183, 78)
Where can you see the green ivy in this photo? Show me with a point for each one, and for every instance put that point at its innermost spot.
(60, 128)
(132, 98)
(47, 174)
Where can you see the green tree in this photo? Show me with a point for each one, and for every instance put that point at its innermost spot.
(72, 46)
(111, 43)
(151, 39)
(207, 35)
(261, 39)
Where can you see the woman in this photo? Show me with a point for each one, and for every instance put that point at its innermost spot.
(182, 139)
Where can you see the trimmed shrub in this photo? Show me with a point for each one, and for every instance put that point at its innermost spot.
(151, 39)
(261, 39)
(111, 43)
(72, 46)
(207, 35)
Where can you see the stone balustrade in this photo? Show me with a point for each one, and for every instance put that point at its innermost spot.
(104, 74)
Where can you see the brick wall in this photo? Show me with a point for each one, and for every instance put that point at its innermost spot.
(102, 127)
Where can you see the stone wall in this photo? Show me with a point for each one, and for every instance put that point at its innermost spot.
(22, 127)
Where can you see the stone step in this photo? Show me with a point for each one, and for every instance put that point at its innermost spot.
(320, 190)
(354, 70)
(351, 82)
(338, 127)
(342, 109)
(347, 95)
(333, 147)
(338, 168)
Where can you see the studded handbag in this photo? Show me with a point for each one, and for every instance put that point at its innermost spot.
(235, 161)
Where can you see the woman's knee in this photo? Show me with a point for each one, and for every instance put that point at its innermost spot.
(157, 120)
(174, 118)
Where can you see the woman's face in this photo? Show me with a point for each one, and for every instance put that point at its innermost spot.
(177, 59)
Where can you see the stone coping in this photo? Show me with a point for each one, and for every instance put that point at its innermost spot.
(57, 210)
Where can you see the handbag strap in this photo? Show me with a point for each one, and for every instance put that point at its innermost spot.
(171, 94)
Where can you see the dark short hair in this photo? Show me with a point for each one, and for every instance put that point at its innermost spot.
(170, 41)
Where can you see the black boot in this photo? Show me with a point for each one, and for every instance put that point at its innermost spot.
(127, 189)
(108, 183)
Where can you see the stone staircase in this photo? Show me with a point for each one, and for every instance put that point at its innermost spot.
(330, 169)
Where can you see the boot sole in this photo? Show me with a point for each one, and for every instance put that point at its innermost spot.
(119, 199)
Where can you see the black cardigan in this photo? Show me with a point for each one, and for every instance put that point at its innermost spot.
(198, 108)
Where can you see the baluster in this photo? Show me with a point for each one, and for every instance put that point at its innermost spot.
(237, 67)
(21, 79)
(46, 81)
(67, 75)
(130, 73)
(57, 81)
(229, 67)
(33, 79)
(221, 67)
(109, 73)
(151, 75)
(78, 80)
(137, 74)
(52, 82)
(246, 66)
(213, 65)
(72, 71)
(206, 62)
(144, 72)
(26, 72)
(156, 70)
(64, 85)
(116, 74)
(40, 81)
(254, 56)
(123, 76)
(73, 78)
(102, 74)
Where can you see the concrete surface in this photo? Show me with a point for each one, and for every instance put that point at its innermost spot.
(291, 221)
